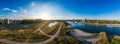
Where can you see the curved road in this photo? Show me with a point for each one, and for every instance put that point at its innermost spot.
(41, 26)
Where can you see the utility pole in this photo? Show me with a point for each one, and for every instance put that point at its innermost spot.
(84, 20)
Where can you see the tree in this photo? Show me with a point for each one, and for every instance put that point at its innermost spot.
(1, 21)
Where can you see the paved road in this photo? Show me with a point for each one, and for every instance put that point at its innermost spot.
(44, 42)
(44, 33)
(54, 36)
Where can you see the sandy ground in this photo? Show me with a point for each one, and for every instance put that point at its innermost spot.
(79, 32)
(84, 36)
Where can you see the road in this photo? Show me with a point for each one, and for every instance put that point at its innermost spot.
(41, 26)
(44, 42)
(54, 36)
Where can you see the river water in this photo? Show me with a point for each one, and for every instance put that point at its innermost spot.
(110, 31)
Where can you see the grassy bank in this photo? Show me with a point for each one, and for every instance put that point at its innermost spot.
(115, 41)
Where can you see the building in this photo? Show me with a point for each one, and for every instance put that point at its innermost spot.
(6, 21)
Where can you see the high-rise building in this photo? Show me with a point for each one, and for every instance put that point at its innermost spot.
(6, 21)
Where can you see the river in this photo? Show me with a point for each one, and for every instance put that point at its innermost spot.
(110, 31)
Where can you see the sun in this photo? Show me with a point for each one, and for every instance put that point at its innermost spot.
(45, 16)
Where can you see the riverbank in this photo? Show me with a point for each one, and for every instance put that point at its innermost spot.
(90, 38)
(85, 37)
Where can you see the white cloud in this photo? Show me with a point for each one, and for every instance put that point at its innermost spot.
(4, 9)
(14, 11)
(8, 9)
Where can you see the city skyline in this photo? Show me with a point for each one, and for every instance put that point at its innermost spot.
(60, 9)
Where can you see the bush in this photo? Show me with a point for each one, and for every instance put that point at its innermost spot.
(1, 22)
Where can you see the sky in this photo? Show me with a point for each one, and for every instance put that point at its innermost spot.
(60, 9)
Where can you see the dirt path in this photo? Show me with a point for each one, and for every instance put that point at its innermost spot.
(41, 27)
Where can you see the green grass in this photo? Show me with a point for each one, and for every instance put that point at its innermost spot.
(2, 43)
(26, 36)
(115, 41)
(74, 40)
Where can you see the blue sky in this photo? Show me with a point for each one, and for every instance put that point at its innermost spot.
(60, 9)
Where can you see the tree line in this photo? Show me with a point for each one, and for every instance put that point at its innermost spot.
(103, 21)
(27, 21)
